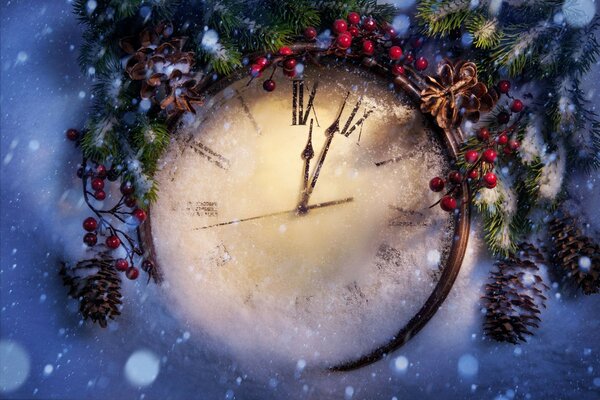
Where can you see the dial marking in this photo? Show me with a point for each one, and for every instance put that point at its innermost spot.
(248, 113)
(401, 157)
(203, 208)
(408, 218)
(211, 155)
(299, 115)
(294, 211)
(348, 130)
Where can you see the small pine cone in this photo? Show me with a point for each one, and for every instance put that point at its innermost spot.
(165, 70)
(513, 299)
(575, 254)
(97, 286)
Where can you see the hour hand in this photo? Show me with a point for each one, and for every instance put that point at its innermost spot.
(307, 154)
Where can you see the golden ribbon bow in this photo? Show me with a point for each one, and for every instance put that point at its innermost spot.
(455, 94)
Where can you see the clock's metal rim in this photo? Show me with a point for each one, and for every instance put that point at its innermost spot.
(411, 85)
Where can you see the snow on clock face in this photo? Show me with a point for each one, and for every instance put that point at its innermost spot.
(297, 223)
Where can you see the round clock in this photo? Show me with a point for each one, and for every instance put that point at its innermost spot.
(297, 223)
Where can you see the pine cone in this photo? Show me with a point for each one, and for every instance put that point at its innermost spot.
(99, 293)
(165, 70)
(513, 298)
(574, 253)
(456, 94)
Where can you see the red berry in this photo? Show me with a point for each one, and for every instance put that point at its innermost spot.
(113, 242)
(448, 203)
(112, 174)
(504, 86)
(127, 188)
(369, 25)
(473, 174)
(291, 73)
(269, 85)
(507, 150)
(289, 64)
(90, 239)
(395, 52)
(421, 64)
(455, 177)
(483, 134)
(121, 264)
(417, 42)
(490, 180)
(514, 145)
(130, 201)
(340, 26)
(262, 62)
(397, 69)
(97, 184)
(489, 155)
(517, 106)
(471, 156)
(436, 184)
(140, 214)
(100, 195)
(391, 32)
(90, 224)
(132, 273)
(310, 33)
(72, 134)
(354, 31)
(285, 51)
(343, 41)
(147, 265)
(353, 18)
(410, 57)
(101, 171)
(503, 117)
(502, 139)
(255, 70)
(367, 47)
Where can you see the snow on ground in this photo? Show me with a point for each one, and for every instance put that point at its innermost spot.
(45, 352)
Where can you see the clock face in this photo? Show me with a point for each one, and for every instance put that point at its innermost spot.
(296, 223)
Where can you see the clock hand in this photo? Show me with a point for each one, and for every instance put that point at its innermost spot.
(311, 207)
(307, 154)
(329, 132)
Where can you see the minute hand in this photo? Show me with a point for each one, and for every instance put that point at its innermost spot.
(330, 133)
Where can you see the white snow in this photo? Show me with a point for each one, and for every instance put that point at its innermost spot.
(579, 13)
(142, 368)
(468, 365)
(400, 364)
(14, 366)
(552, 174)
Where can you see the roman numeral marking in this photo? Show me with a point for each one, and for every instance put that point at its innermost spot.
(211, 155)
(401, 157)
(408, 218)
(299, 114)
(349, 128)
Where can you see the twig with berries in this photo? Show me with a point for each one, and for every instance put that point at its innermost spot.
(94, 178)
(359, 38)
(480, 155)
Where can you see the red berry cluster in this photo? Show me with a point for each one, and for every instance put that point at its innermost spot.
(516, 105)
(94, 180)
(353, 37)
(481, 156)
